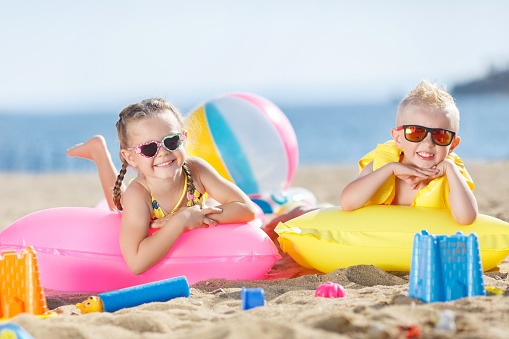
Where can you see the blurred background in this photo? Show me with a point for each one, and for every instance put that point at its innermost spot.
(337, 69)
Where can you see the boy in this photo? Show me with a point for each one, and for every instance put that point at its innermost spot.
(418, 168)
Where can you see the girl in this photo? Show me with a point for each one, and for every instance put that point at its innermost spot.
(168, 191)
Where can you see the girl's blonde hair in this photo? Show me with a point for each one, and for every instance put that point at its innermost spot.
(428, 94)
(146, 108)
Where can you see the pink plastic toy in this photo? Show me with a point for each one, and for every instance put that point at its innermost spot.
(78, 250)
(330, 290)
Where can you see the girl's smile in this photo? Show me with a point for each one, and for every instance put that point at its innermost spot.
(165, 164)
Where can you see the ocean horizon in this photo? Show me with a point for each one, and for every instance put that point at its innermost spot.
(338, 134)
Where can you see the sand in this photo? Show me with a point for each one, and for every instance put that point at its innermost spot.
(376, 306)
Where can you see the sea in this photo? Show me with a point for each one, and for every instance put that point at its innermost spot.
(338, 134)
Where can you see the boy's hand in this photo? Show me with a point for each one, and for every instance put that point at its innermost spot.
(414, 176)
(442, 167)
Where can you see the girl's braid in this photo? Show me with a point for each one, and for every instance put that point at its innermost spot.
(190, 184)
(117, 190)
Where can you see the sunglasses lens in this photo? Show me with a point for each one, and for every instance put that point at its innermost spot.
(415, 133)
(149, 150)
(172, 143)
(442, 137)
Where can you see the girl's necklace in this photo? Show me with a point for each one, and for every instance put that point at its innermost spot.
(180, 200)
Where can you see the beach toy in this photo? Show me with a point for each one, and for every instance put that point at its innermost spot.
(78, 250)
(330, 290)
(247, 139)
(445, 268)
(330, 238)
(20, 286)
(410, 331)
(283, 201)
(490, 290)
(252, 297)
(112, 301)
(10, 330)
(446, 321)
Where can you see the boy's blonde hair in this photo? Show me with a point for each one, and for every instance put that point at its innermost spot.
(428, 94)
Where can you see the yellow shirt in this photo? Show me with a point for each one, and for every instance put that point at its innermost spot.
(434, 195)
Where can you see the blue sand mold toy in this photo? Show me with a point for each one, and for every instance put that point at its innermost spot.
(112, 301)
(445, 268)
(13, 331)
(163, 290)
(252, 297)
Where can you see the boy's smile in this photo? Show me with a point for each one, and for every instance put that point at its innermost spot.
(424, 153)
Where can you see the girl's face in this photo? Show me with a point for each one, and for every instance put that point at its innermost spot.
(425, 153)
(165, 164)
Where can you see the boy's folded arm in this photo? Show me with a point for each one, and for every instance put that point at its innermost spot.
(462, 201)
(357, 193)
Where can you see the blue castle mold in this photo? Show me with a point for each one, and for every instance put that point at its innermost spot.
(445, 268)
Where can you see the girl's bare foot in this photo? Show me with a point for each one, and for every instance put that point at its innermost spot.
(90, 149)
(95, 149)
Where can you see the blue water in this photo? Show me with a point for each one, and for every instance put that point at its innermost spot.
(338, 134)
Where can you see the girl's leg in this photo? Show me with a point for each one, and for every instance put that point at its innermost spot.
(95, 149)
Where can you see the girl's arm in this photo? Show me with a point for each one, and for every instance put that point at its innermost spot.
(235, 204)
(141, 251)
(462, 201)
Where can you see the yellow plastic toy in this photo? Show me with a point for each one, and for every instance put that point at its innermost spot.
(115, 300)
(330, 238)
(490, 290)
(92, 304)
(20, 286)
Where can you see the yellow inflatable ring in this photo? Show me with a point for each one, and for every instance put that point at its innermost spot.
(330, 238)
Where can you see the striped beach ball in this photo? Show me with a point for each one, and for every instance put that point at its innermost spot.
(247, 139)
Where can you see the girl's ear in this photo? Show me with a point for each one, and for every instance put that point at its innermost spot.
(128, 156)
(397, 138)
(454, 144)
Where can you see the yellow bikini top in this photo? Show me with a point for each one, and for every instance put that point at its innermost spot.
(193, 199)
(435, 194)
(197, 197)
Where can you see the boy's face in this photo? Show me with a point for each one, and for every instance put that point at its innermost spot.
(425, 153)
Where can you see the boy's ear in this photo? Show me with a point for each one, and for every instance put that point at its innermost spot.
(454, 144)
(127, 155)
(397, 138)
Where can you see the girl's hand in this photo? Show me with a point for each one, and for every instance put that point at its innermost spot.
(414, 176)
(190, 217)
(198, 217)
(158, 223)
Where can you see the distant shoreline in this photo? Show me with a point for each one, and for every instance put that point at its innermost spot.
(496, 81)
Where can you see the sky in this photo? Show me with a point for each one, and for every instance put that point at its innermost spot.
(77, 56)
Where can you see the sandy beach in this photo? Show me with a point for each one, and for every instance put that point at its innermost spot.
(377, 305)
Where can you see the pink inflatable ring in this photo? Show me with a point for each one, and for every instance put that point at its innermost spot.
(77, 250)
